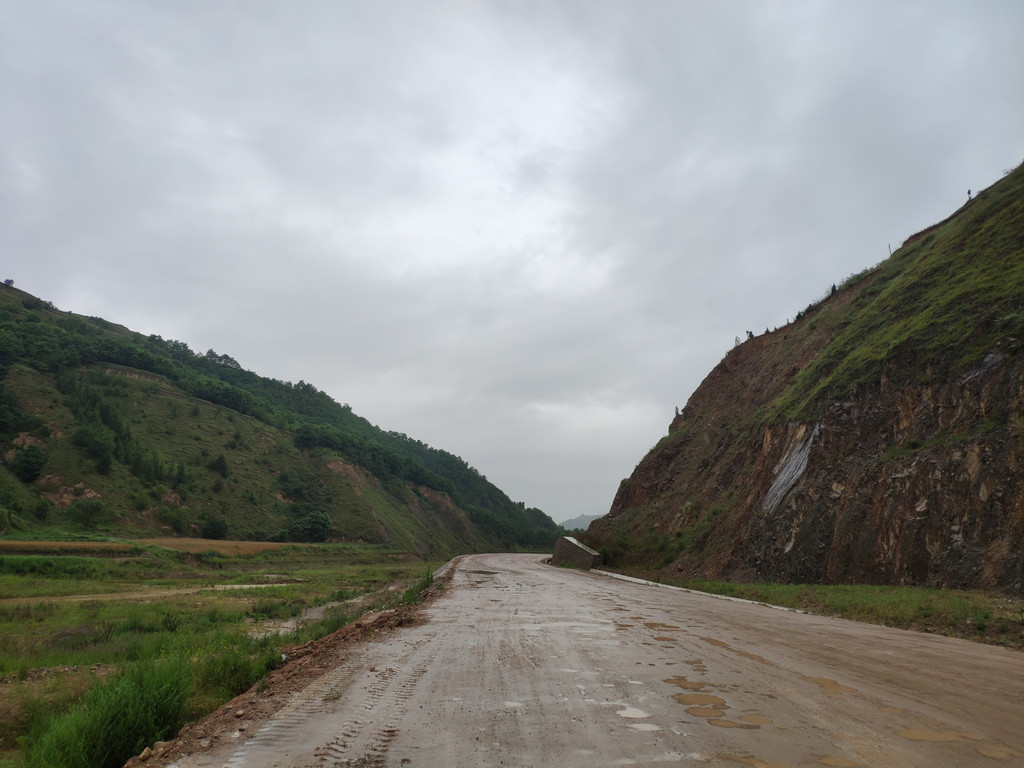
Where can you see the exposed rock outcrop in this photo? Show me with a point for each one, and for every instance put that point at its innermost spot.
(879, 438)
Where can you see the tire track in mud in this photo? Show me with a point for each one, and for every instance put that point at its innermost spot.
(372, 717)
(285, 728)
(384, 706)
(528, 665)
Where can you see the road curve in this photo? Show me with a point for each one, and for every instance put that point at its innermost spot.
(524, 664)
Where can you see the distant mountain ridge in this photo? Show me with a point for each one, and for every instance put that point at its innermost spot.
(580, 523)
(878, 438)
(108, 430)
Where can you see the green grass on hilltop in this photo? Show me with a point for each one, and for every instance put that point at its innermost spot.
(940, 304)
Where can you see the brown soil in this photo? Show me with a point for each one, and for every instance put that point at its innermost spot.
(215, 545)
(12, 547)
(192, 545)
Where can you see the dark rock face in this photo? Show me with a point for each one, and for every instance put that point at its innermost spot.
(913, 485)
(919, 486)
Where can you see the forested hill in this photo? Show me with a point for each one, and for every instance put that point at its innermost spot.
(105, 428)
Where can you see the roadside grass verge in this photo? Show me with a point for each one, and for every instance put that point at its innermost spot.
(415, 592)
(117, 718)
(973, 615)
(65, 645)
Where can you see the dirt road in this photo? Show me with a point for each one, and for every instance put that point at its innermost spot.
(523, 664)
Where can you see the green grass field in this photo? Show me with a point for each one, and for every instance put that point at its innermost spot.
(93, 632)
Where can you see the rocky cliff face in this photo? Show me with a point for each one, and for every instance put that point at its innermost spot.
(917, 485)
(880, 438)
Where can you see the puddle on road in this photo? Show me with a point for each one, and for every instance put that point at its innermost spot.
(701, 699)
(712, 708)
(665, 639)
(661, 627)
(690, 685)
(633, 713)
(835, 761)
(831, 688)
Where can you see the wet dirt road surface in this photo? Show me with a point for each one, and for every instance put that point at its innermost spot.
(524, 664)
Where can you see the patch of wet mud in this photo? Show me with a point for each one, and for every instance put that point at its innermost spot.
(701, 699)
(696, 664)
(999, 753)
(918, 734)
(753, 762)
(710, 707)
(744, 654)
(733, 724)
(831, 688)
(645, 727)
(690, 685)
(705, 712)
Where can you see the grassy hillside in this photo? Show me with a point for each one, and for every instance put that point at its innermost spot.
(937, 307)
(105, 430)
(878, 438)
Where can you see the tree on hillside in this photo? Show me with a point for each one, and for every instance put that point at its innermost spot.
(28, 463)
(309, 523)
(219, 465)
(87, 512)
(12, 418)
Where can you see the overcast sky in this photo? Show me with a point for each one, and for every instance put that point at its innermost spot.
(520, 231)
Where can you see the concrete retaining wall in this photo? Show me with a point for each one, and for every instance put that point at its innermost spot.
(568, 551)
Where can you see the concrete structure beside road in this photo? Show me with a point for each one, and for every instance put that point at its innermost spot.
(568, 551)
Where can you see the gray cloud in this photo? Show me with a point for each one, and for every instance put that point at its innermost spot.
(521, 232)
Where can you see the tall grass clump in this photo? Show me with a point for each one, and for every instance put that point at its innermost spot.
(230, 665)
(116, 719)
(414, 593)
(52, 567)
